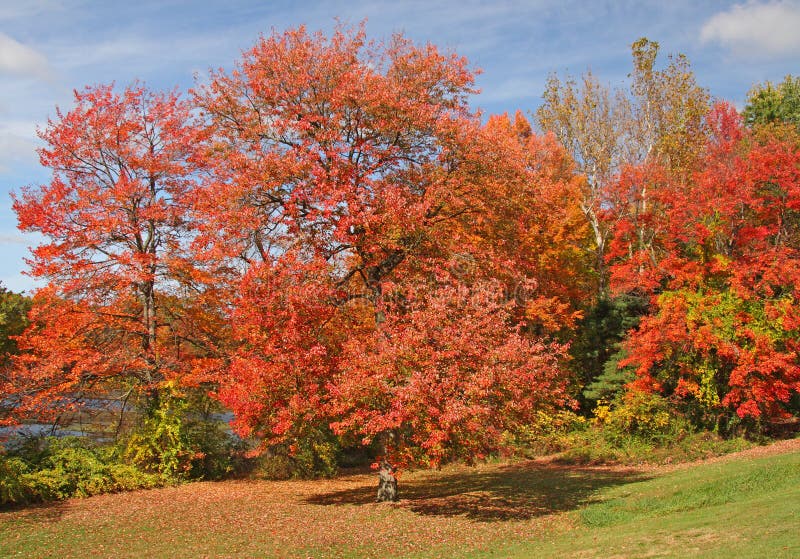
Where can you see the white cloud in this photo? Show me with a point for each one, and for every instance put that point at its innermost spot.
(18, 144)
(757, 30)
(16, 58)
(14, 239)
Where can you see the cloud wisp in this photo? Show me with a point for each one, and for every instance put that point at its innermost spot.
(21, 60)
(757, 30)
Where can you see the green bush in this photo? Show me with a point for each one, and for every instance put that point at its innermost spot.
(594, 446)
(14, 488)
(643, 416)
(635, 428)
(176, 440)
(315, 454)
(160, 443)
(173, 442)
(550, 432)
(215, 450)
(55, 469)
(597, 446)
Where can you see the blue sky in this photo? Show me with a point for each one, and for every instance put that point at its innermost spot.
(50, 47)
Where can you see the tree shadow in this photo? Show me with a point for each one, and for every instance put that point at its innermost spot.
(513, 492)
(51, 511)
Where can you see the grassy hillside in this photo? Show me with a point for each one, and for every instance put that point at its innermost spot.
(738, 507)
(746, 505)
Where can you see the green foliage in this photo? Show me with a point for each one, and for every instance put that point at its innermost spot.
(82, 472)
(642, 427)
(216, 453)
(767, 103)
(595, 350)
(54, 469)
(13, 486)
(551, 432)
(641, 415)
(599, 445)
(315, 454)
(611, 383)
(14, 309)
(174, 442)
(635, 428)
(160, 444)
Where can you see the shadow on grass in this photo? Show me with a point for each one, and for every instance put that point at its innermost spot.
(514, 492)
(50, 511)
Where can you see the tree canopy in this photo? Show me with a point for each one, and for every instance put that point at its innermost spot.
(330, 241)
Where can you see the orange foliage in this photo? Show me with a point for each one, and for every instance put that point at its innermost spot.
(720, 253)
(390, 245)
(116, 223)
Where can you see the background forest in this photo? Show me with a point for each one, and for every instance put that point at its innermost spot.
(330, 248)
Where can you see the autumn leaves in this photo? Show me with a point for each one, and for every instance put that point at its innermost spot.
(326, 237)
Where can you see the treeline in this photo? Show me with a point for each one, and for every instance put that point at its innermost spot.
(332, 244)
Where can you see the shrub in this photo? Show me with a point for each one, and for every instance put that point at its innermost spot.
(215, 450)
(55, 469)
(315, 454)
(550, 432)
(644, 416)
(13, 486)
(173, 442)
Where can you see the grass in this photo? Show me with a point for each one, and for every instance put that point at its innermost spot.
(733, 508)
(746, 505)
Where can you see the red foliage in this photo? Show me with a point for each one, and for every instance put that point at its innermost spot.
(116, 227)
(445, 376)
(723, 251)
(368, 207)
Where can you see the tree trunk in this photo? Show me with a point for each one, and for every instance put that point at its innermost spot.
(387, 484)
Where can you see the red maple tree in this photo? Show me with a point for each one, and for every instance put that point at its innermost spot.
(116, 225)
(722, 262)
(368, 208)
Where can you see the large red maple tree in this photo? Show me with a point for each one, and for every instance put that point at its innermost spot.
(372, 218)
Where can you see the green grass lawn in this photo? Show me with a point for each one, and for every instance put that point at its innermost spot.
(736, 508)
(741, 506)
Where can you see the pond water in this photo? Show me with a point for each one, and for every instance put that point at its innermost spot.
(100, 419)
